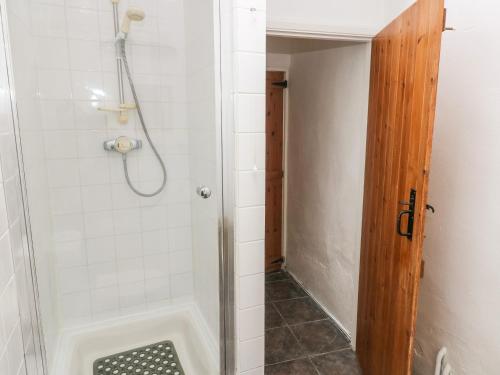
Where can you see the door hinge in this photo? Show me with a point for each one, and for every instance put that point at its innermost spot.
(282, 84)
(445, 28)
(279, 260)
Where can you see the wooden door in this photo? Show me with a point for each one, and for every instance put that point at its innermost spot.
(404, 72)
(274, 170)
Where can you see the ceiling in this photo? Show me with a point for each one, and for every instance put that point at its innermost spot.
(300, 45)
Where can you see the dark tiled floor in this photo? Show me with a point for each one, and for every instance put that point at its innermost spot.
(300, 337)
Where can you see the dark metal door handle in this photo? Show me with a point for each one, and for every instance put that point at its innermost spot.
(400, 217)
(411, 216)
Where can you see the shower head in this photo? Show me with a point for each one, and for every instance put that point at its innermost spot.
(133, 14)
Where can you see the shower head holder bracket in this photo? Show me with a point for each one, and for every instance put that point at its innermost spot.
(122, 111)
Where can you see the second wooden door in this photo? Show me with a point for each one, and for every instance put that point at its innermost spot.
(274, 170)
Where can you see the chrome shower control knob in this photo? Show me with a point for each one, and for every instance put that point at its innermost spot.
(204, 191)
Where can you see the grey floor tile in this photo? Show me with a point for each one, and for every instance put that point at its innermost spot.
(277, 276)
(281, 346)
(300, 310)
(297, 367)
(319, 337)
(273, 318)
(300, 338)
(339, 363)
(282, 290)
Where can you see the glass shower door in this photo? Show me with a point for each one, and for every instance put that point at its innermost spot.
(119, 131)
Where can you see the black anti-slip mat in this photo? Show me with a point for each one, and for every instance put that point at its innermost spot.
(155, 359)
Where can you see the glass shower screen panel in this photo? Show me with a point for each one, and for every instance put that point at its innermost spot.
(119, 127)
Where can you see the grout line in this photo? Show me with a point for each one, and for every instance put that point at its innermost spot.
(305, 356)
(314, 366)
(289, 299)
(275, 281)
(330, 352)
(310, 321)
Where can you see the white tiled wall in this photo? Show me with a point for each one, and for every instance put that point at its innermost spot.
(249, 62)
(113, 251)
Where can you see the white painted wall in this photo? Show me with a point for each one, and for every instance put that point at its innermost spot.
(357, 17)
(392, 8)
(278, 61)
(360, 17)
(460, 293)
(325, 174)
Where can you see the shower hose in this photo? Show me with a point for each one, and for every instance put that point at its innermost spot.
(144, 128)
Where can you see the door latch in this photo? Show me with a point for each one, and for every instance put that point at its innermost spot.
(411, 216)
(279, 260)
(282, 84)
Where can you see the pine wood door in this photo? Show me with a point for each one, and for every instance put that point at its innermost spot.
(403, 85)
(274, 170)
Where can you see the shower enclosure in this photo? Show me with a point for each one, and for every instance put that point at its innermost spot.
(125, 240)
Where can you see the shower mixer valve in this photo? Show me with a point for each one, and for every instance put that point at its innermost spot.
(122, 144)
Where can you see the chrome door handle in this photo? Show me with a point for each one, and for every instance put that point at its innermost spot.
(204, 191)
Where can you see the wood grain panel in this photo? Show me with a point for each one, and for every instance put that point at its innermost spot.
(403, 85)
(274, 170)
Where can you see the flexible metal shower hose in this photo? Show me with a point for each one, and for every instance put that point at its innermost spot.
(144, 128)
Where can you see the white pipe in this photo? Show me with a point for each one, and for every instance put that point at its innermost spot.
(439, 360)
(447, 369)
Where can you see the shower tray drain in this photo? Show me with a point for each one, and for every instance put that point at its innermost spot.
(156, 359)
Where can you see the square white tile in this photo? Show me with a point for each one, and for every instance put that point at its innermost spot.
(251, 258)
(251, 291)
(251, 223)
(251, 323)
(251, 354)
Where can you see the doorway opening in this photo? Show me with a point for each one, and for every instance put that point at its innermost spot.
(354, 125)
(316, 115)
